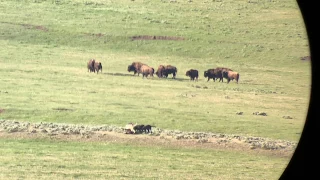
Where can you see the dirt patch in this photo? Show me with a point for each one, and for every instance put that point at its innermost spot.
(28, 26)
(1, 110)
(143, 37)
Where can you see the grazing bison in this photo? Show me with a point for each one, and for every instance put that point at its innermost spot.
(90, 65)
(193, 74)
(97, 66)
(213, 74)
(135, 67)
(160, 70)
(146, 71)
(169, 70)
(231, 75)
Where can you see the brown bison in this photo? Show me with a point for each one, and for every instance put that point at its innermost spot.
(135, 67)
(169, 70)
(213, 74)
(97, 66)
(193, 74)
(223, 69)
(146, 71)
(90, 65)
(160, 70)
(231, 75)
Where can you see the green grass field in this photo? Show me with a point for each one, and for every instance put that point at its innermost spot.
(44, 78)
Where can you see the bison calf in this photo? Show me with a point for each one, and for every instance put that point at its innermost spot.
(193, 74)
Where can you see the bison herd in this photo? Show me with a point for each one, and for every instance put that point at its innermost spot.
(164, 70)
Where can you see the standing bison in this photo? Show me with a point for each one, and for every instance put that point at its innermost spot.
(164, 71)
(231, 75)
(213, 74)
(169, 70)
(193, 74)
(135, 67)
(97, 66)
(223, 69)
(90, 65)
(146, 71)
(216, 73)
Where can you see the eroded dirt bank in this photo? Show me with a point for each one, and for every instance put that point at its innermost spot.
(159, 137)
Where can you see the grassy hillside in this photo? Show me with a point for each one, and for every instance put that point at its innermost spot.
(46, 45)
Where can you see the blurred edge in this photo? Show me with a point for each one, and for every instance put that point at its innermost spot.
(303, 162)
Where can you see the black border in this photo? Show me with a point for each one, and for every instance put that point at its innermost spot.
(303, 163)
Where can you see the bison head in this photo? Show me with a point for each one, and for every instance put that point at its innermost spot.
(188, 73)
(131, 68)
(206, 74)
(224, 73)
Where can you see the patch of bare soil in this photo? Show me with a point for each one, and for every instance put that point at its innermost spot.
(144, 37)
(29, 26)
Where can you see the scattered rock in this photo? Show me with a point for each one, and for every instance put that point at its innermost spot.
(144, 37)
(287, 117)
(239, 113)
(260, 113)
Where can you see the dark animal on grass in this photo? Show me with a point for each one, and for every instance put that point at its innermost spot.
(97, 66)
(90, 65)
(146, 71)
(160, 70)
(231, 75)
(169, 70)
(147, 128)
(135, 67)
(193, 74)
(138, 128)
(213, 74)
